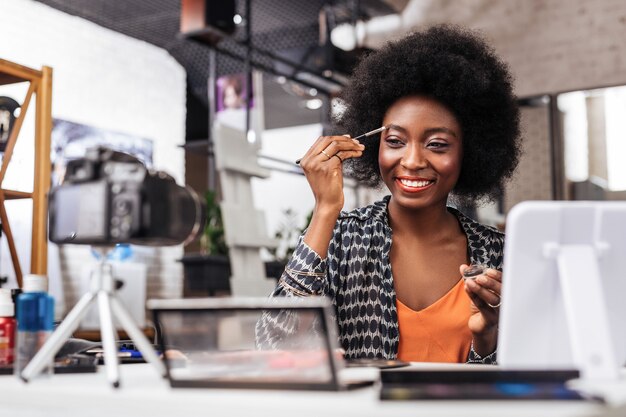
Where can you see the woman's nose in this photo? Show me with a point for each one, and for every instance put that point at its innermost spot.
(413, 158)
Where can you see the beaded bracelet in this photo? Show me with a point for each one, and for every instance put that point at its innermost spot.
(305, 273)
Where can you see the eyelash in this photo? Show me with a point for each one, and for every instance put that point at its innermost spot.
(393, 141)
(438, 145)
(396, 143)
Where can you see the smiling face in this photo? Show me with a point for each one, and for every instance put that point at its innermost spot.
(420, 153)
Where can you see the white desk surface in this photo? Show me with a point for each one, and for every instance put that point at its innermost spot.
(144, 393)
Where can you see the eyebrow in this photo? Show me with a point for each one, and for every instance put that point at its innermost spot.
(427, 132)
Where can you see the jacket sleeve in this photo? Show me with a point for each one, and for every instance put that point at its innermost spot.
(495, 251)
(304, 275)
(474, 357)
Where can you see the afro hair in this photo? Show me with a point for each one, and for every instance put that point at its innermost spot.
(456, 67)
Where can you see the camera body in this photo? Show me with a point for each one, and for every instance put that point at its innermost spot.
(110, 197)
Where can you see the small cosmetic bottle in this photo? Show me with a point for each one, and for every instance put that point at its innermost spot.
(7, 328)
(35, 320)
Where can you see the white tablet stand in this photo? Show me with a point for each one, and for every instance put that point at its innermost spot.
(591, 340)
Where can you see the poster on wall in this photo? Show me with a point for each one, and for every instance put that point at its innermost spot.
(231, 92)
(70, 140)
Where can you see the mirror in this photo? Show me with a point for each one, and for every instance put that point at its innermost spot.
(593, 142)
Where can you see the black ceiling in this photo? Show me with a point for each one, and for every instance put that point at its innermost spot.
(277, 25)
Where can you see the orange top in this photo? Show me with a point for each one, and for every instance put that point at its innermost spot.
(438, 333)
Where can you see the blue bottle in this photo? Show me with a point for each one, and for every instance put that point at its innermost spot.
(35, 320)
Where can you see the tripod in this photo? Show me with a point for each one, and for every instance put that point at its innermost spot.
(102, 291)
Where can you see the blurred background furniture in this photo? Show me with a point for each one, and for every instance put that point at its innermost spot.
(40, 84)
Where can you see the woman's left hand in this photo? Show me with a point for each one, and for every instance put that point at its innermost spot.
(484, 291)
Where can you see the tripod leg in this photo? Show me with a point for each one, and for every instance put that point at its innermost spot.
(137, 336)
(57, 338)
(107, 331)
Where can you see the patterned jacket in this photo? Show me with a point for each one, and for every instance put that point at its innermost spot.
(356, 275)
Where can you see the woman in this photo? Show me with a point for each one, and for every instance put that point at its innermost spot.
(393, 270)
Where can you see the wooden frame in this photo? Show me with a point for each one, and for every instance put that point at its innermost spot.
(41, 86)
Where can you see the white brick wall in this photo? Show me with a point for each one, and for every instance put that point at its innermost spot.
(103, 79)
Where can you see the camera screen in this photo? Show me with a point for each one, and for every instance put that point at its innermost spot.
(79, 210)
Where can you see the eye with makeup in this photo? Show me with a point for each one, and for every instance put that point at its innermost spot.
(437, 145)
(393, 141)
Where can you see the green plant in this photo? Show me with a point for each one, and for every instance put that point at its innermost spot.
(287, 235)
(212, 241)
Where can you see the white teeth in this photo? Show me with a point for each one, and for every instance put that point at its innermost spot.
(412, 183)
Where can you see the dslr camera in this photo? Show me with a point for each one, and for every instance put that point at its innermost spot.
(110, 197)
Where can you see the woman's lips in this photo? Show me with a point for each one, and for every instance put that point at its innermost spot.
(414, 185)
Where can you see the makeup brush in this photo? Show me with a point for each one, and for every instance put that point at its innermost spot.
(364, 135)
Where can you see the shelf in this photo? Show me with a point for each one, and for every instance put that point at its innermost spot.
(40, 93)
(11, 73)
(202, 146)
(10, 79)
(16, 195)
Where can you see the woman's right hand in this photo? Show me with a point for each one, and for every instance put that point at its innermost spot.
(322, 168)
